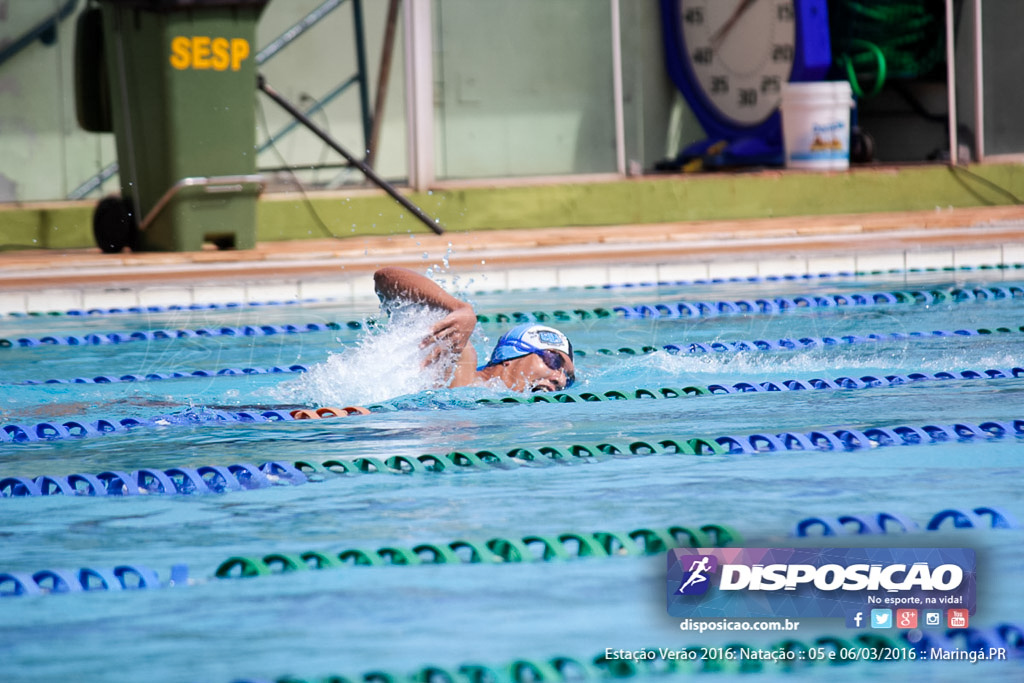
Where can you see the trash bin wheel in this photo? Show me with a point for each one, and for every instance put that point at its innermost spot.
(113, 225)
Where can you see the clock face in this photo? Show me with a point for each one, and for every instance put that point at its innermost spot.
(741, 52)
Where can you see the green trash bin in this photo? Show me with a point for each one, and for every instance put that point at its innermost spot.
(182, 81)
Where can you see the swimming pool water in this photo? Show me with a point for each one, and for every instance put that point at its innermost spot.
(401, 618)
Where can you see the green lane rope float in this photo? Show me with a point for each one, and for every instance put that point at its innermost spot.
(787, 655)
(575, 545)
(570, 545)
(74, 429)
(237, 477)
(553, 547)
(683, 309)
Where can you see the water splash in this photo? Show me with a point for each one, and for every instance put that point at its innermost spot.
(385, 363)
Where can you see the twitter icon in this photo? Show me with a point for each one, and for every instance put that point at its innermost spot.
(881, 618)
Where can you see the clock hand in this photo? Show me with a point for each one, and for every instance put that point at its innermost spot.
(718, 36)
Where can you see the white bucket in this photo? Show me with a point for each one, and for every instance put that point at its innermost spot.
(816, 124)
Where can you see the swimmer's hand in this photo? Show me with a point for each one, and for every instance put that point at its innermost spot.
(449, 336)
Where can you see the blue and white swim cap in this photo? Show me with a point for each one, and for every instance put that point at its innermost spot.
(528, 338)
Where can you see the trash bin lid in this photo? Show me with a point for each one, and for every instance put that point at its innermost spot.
(163, 5)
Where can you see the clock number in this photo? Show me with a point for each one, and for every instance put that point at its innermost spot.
(719, 85)
(748, 97)
(782, 53)
(694, 15)
(785, 12)
(703, 55)
(771, 84)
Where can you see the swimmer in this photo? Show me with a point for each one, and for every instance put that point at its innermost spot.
(528, 357)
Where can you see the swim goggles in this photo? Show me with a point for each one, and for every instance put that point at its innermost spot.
(552, 359)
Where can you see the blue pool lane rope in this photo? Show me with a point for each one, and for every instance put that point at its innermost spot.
(535, 547)
(75, 429)
(121, 577)
(170, 308)
(764, 306)
(683, 309)
(796, 344)
(882, 522)
(102, 339)
(237, 477)
(691, 348)
(153, 376)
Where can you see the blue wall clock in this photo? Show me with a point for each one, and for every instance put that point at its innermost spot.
(729, 58)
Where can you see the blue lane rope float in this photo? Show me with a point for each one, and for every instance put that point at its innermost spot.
(104, 338)
(220, 479)
(813, 384)
(693, 348)
(178, 374)
(883, 522)
(794, 344)
(868, 648)
(763, 306)
(76, 429)
(121, 577)
(683, 309)
(156, 308)
(570, 545)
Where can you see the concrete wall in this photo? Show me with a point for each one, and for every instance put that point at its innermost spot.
(522, 88)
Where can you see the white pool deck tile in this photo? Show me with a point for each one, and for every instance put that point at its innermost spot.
(529, 278)
(620, 275)
(165, 296)
(881, 262)
(272, 291)
(219, 294)
(49, 300)
(682, 272)
(107, 298)
(930, 259)
(816, 265)
(976, 256)
(539, 258)
(790, 266)
(728, 269)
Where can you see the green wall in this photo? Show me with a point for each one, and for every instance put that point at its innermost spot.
(647, 200)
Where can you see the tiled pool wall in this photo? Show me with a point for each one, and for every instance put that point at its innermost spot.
(1003, 261)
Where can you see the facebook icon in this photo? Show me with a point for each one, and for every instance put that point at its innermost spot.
(854, 619)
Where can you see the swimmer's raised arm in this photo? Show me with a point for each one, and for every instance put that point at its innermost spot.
(450, 335)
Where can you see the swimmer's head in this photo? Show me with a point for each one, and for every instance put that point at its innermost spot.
(533, 357)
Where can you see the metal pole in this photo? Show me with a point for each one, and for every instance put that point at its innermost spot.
(954, 156)
(333, 144)
(383, 77)
(979, 86)
(620, 126)
(364, 89)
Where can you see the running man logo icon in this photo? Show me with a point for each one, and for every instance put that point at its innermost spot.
(698, 568)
